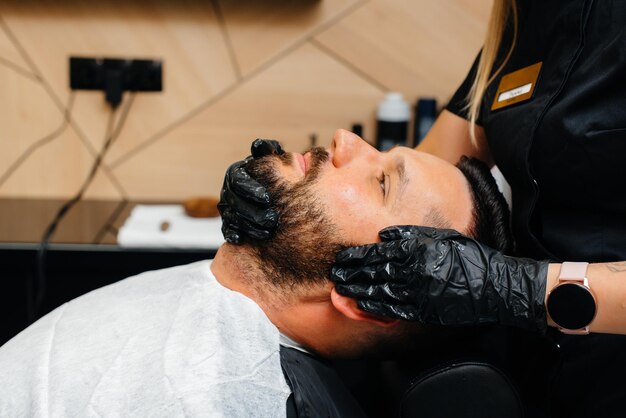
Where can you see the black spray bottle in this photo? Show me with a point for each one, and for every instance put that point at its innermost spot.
(425, 114)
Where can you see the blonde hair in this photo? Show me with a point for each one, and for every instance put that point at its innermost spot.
(500, 13)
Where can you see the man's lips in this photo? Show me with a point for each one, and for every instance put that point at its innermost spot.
(307, 160)
(302, 161)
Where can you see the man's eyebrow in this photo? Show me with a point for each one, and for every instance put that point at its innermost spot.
(403, 180)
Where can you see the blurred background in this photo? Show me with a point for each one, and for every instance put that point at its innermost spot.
(233, 70)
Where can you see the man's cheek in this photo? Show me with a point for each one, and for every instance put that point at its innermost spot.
(349, 199)
(356, 214)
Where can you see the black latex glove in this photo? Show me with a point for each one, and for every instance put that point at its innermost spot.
(244, 203)
(438, 276)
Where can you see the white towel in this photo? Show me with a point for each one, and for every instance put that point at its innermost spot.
(144, 228)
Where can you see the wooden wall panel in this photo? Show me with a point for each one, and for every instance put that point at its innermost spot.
(234, 70)
(420, 48)
(260, 30)
(184, 33)
(27, 114)
(9, 55)
(57, 169)
(299, 95)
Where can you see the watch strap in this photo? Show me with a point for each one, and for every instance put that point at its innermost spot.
(573, 271)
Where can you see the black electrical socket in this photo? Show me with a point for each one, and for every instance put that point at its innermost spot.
(114, 76)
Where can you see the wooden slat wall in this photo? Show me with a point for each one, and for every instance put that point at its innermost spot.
(234, 70)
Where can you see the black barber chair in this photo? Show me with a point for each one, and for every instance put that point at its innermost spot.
(462, 390)
(467, 389)
(470, 373)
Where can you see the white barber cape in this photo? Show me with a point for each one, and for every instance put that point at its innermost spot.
(167, 343)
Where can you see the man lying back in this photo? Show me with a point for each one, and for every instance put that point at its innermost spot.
(204, 339)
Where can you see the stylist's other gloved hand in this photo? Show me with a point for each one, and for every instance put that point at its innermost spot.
(438, 276)
(244, 203)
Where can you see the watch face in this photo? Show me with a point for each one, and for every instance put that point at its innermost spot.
(571, 306)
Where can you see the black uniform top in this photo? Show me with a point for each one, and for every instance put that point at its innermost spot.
(564, 154)
(564, 151)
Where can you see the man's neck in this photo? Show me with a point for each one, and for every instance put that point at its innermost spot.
(305, 319)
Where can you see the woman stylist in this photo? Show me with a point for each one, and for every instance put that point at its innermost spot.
(546, 101)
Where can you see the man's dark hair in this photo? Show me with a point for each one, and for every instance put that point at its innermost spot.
(491, 224)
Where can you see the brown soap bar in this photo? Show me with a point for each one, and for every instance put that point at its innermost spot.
(201, 207)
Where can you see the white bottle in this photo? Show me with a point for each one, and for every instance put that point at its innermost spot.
(392, 121)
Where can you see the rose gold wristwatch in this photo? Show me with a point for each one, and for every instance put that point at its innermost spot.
(571, 303)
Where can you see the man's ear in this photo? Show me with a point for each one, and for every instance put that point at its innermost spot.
(348, 308)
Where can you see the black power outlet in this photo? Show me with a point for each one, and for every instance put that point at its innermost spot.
(114, 76)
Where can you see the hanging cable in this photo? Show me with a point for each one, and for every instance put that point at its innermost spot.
(110, 137)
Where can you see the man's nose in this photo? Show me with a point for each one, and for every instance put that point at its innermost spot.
(348, 146)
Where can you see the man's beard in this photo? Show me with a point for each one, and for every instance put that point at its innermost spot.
(305, 243)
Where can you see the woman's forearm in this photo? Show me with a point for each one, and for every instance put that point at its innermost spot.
(449, 139)
(608, 283)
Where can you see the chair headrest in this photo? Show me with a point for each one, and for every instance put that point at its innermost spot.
(462, 390)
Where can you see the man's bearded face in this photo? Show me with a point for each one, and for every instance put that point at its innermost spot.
(305, 244)
(330, 199)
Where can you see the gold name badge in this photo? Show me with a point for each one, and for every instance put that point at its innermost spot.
(517, 86)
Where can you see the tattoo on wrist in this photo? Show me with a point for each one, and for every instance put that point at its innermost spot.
(617, 267)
